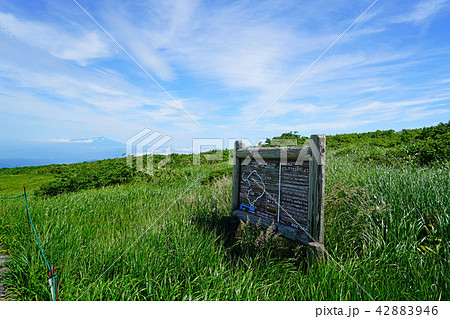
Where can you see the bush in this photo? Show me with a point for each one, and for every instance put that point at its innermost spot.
(87, 176)
(423, 146)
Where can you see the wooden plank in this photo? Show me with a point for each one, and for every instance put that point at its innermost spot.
(297, 235)
(300, 154)
(311, 197)
(317, 148)
(316, 188)
(236, 176)
(321, 190)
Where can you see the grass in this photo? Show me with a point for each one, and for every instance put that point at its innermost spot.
(11, 185)
(386, 232)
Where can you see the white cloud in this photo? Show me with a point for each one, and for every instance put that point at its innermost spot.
(378, 88)
(238, 47)
(65, 140)
(102, 99)
(151, 58)
(80, 46)
(423, 11)
(229, 44)
(392, 107)
(57, 140)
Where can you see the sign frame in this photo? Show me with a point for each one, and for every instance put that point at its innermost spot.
(315, 155)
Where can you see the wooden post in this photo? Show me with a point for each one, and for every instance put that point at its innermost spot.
(316, 252)
(236, 175)
(316, 194)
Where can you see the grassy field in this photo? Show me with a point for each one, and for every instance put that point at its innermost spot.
(13, 184)
(386, 232)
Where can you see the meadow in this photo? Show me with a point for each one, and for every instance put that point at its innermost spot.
(134, 236)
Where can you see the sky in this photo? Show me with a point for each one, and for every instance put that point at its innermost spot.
(220, 69)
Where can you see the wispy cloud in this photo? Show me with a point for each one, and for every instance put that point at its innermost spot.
(423, 11)
(390, 107)
(64, 140)
(80, 46)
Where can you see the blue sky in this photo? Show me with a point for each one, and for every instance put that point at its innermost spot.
(223, 63)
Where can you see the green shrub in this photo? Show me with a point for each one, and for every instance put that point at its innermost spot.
(424, 146)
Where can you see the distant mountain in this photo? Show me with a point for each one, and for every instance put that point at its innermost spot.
(58, 151)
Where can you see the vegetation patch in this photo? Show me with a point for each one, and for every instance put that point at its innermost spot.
(386, 232)
(424, 146)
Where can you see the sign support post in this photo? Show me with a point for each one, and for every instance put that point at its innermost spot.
(316, 196)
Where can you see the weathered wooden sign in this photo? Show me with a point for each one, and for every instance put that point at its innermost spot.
(283, 186)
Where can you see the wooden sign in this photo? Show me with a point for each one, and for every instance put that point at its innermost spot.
(283, 186)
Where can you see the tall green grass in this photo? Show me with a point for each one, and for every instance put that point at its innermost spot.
(386, 233)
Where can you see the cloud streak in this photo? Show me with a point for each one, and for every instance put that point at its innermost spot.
(80, 46)
(423, 12)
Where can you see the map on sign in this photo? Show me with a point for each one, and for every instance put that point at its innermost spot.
(275, 191)
(253, 189)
